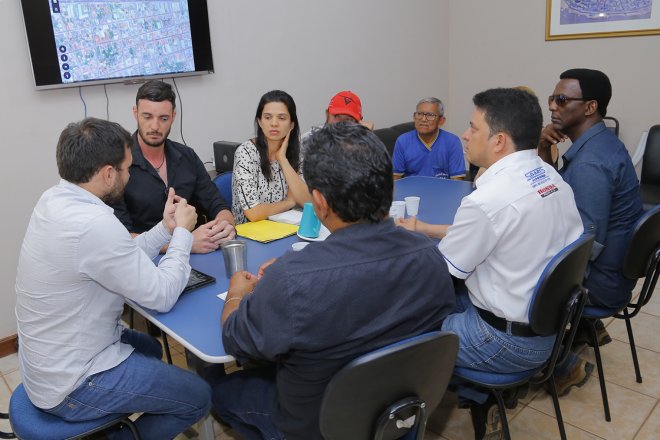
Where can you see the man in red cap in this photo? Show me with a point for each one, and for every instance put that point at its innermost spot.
(345, 106)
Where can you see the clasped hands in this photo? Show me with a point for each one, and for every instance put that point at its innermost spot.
(243, 283)
(207, 237)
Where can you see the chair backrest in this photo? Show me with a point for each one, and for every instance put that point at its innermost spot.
(612, 123)
(223, 182)
(403, 128)
(563, 274)
(651, 161)
(223, 155)
(417, 368)
(388, 137)
(642, 258)
(644, 242)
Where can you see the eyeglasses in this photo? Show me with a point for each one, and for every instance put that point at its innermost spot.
(427, 116)
(561, 99)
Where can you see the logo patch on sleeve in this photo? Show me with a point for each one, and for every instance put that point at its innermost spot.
(547, 190)
(537, 177)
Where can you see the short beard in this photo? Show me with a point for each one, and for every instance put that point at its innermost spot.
(153, 144)
(115, 196)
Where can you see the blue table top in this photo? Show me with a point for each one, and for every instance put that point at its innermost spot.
(195, 319)
(439, 198)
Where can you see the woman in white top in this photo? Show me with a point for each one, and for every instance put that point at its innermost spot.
(267, 169)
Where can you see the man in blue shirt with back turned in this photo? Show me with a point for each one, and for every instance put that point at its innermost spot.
(428, 150)
(598, 168)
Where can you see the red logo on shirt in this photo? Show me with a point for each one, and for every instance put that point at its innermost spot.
(547, 190)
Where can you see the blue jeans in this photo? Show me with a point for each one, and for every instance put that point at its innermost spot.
(171, 399)
(244, 400)
(483, 348)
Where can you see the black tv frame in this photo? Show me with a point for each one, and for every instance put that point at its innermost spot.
(46, 66)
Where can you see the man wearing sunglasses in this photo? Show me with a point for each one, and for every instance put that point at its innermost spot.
(598, 168)
(428, 150)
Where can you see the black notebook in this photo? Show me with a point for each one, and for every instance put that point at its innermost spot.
(197, 279)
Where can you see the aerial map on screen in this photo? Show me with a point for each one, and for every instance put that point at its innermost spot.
(109, 39)
(590, 11)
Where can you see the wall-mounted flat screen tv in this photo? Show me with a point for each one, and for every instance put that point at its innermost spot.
(87, 42)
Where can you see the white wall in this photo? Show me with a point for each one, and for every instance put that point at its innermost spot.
(502, 43)
(384, 50)
(390, 52)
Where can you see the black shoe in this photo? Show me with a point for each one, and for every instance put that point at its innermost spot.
(486, 420)
(512, 395)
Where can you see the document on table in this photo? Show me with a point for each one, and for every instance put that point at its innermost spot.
(223, 295)
(265, 231)
(292, 217)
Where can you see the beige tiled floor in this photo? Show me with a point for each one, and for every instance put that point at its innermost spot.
(635, 407)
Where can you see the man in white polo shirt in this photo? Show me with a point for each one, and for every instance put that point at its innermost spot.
(504, 233)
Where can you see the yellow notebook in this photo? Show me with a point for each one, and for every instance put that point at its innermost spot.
(265, 231)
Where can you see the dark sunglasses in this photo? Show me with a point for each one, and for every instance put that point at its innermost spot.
(561, 100)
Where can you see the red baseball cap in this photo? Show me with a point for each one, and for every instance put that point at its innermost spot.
(346, 103)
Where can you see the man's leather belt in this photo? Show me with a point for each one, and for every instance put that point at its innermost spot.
(501, 324)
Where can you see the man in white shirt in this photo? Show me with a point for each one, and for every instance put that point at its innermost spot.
(504, 234)
(77, 265)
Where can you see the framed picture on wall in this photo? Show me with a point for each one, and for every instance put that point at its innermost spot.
(571, 19)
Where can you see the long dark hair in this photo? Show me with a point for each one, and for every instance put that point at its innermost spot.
(293, 151)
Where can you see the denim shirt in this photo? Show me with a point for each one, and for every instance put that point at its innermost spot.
(599, 170)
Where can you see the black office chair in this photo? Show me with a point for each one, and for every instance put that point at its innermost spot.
(612, 123)
(650, 178)
(387, 393)
(642, 260)
(556, 308)
(388, 137)
(472, 172)
(403, 128)
(3, 435)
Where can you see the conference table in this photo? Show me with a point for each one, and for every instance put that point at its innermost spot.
(194, 321)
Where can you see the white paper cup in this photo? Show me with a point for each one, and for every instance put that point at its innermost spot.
(399, 209)
(412, 205)
(298, 246)
(394, 213)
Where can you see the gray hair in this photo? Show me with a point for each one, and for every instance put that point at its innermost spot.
(432, 100)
